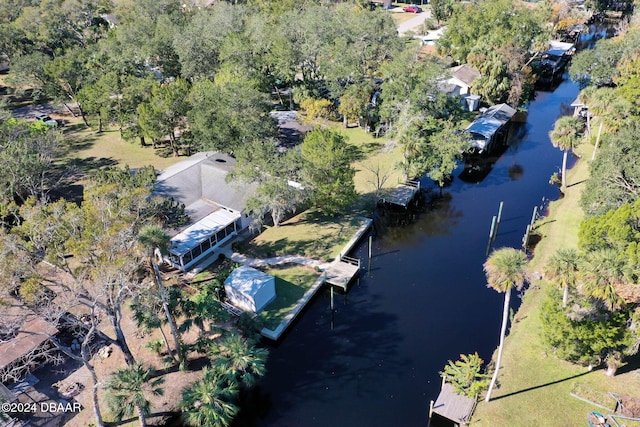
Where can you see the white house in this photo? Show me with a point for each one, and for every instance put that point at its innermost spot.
(462, 77)
(250, 289)
(216, 207)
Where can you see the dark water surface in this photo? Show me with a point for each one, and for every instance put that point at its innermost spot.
(425, 301)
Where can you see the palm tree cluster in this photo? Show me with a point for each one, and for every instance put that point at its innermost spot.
(212, 400)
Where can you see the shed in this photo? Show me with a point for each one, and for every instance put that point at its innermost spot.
(250, 289)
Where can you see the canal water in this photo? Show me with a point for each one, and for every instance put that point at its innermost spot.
(424, 302)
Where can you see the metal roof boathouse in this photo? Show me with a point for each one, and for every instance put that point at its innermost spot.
(489, 129)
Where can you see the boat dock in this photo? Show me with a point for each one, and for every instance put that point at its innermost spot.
(341, 272)
(403, 194)
(452, 406)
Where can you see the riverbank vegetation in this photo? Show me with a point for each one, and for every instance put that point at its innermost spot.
(583, 312)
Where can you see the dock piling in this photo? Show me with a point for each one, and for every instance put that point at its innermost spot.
(534, 216)
(499, 217)
(492, 233)
(370, 252)
(525, 239)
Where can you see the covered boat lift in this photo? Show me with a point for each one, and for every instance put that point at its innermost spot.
(489, 128)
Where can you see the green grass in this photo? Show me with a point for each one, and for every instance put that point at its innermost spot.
(90, 150)
(291, 284)
(310, 234)
(534, 385)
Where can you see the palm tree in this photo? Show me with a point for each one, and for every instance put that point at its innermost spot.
(208, 402)
(127, 388)
(603, 272)
(238, 360)
(565, 137)
(153, 237)
(504, 270)
(563, 268)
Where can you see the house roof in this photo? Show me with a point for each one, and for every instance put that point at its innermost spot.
(33, 330)
(203, 177)
(248, 280)
(491, 120)
(187, 239)
(465, 73)
(558, 48)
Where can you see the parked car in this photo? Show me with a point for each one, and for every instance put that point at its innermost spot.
(412, 9)
(44, 118)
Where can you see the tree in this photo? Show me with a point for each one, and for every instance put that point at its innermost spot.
(28, 155)
(327, 170)
(165, 112)
(566, 136)
(229, 113)
(208, 402)
(441, 9)
(562, 268)
(614, 176)
(276, 197)
(465, 374)
(492, 23)
(127, 390)
(353, 103)
(603, 274)
(505, 269)
(238, 359)
(153, 238)
(445, 149)
(586, 335)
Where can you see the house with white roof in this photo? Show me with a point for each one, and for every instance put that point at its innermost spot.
(216, 207)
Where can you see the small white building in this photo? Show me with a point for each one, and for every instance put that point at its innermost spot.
(250, 289)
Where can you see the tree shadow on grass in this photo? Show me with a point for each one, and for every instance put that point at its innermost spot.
(541, 385)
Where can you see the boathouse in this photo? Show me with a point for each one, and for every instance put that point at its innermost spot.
(249, 289)
(216, 207)
(490, 128)
(554, 60)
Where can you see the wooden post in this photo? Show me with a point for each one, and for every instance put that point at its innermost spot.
(430, 413)
(332, 298)
(370, 251)
(492, 234)
(332, 307)
(533, 216)
(593, 156)
(499, 216)
(525, 240)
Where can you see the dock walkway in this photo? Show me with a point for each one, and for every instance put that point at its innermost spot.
(403, 194)
(453, 406)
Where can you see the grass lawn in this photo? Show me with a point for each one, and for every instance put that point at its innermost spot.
(534, 385)
(291, 284)
(310, 233)
(90, 150)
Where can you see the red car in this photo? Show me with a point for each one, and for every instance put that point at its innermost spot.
(412, 9)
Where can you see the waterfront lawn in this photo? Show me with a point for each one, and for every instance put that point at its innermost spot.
(291, 284)
(534, 385)
(310, 233)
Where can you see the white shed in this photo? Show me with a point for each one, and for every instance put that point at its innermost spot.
(250, 289)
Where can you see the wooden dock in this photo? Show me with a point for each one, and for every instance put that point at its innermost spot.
(453, 407)
(341, 272)
(403, 194)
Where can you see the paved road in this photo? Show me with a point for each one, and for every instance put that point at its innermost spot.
(414, 23)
